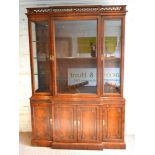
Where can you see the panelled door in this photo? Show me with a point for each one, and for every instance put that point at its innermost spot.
(41, 121)
(64, 123)
(71, 125)
(88, 123)
(113, 126)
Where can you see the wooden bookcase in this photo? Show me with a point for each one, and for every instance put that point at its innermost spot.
(77, 72)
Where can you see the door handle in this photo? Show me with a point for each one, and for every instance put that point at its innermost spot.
(78, 123)
(51, 58)
(51, 121)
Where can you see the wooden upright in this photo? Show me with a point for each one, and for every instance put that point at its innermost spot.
(77, 72)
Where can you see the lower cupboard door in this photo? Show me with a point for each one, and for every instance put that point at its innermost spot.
(88, 123)
(114, 123)
(64, 124)
(40, 121)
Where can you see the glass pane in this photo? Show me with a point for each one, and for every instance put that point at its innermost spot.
(40, 56)
(76, 56)
(112, 55)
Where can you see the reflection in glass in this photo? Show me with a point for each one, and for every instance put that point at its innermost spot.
(75, 44)
(112, 55)
(40, 56)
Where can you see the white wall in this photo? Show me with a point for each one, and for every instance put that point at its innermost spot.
(131, 61)
(24, 73)
(140, 72)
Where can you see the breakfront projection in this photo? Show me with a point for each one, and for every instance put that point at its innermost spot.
(77, 72)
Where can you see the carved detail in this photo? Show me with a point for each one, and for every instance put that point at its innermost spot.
(112, 8)
(74, 9)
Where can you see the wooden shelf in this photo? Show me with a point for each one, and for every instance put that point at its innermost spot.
(111, 59)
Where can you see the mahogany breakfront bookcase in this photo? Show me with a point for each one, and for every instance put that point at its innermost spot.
(77, 70)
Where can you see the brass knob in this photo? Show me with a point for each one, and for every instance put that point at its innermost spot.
(51, 58)
(51, 121)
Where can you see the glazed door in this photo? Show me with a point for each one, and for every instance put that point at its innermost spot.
(41, 121)
(88, 123)
(64, 124)
(112, 56)
(40, 60)
(75, 54)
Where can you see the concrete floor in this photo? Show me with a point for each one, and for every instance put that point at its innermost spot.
(25, 148)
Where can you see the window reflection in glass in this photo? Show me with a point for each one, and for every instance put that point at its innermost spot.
(75, 44)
